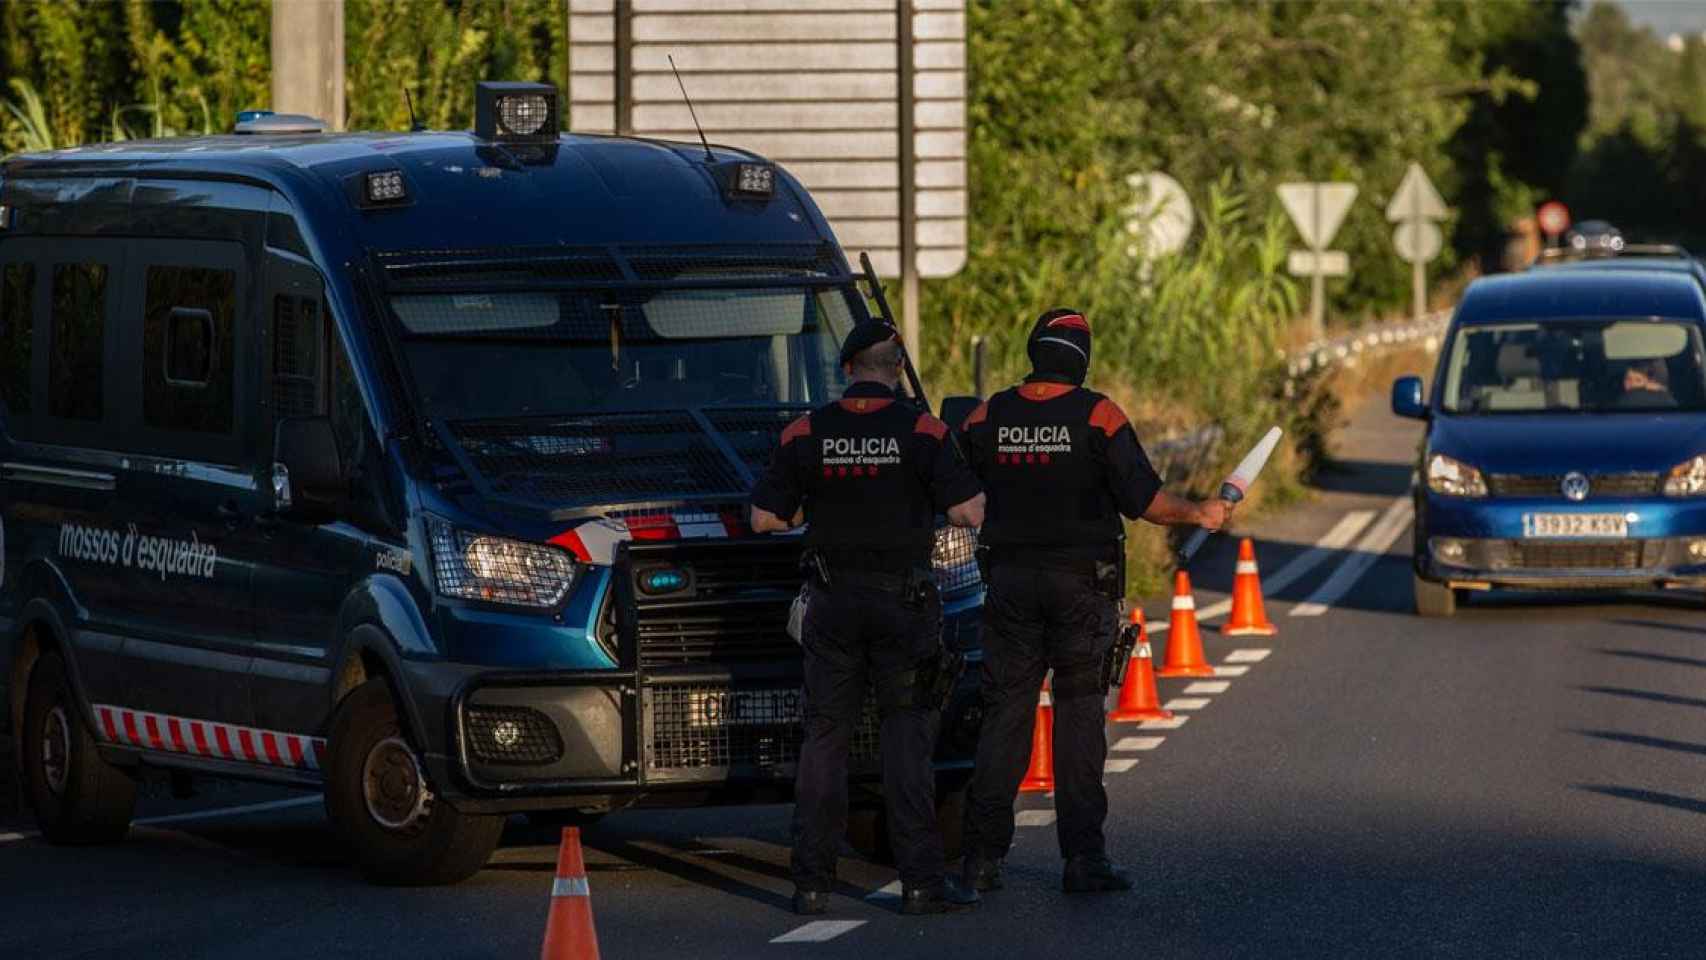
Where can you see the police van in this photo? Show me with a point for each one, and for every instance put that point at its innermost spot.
(412, 468)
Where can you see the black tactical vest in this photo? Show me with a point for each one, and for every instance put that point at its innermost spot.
(1043, 465)
(867, 499)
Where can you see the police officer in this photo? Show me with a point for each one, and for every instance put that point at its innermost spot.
(1061, 465)
(869, 475)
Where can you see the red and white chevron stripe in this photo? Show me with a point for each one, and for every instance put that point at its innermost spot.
(204, 738)
(595, 541)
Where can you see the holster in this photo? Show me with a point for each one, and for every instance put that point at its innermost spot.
(919, 585)
(813, 565)
(936, 677)
(1119, 656)
(1110, 576)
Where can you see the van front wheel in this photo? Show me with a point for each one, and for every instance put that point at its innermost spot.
(78, 797)
(382, 804)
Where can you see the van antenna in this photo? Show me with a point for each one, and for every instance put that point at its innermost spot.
(415, 126)
(709, 156)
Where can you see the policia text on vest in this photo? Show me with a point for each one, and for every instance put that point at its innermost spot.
(870, 474)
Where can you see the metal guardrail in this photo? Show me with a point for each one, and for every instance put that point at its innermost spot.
(1180, 455)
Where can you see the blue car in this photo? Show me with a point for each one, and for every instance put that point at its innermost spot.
(1566, 437)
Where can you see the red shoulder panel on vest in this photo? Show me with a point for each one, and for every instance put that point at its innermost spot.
(1045, 391)
(1108, 416)
(977, 416)
(799, 428)
(865, 404)
(930, 427)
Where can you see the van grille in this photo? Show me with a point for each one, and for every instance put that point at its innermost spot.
(689, 729)
(1541, 555)
(1550, 485)
(734, 611)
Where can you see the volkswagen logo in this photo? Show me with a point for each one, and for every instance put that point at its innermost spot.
(1574, 486)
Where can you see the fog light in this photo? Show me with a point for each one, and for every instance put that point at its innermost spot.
(506, 734)
(1697, 549)
(1448, 550)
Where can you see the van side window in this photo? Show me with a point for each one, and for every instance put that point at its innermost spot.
(77, 344)
(17, 299)
(297, 337)
(187, 349)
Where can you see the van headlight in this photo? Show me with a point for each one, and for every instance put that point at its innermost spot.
(479, 566)
(1687, 479)
(954, 559)
(1454, 478)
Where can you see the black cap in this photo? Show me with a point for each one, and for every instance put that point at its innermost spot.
(865, 336)
(1059, 345)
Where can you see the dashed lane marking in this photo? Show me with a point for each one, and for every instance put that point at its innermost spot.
(1372, 547)
(1207, 687)
(229, 811)
(818, 931)
(1248, 656)
(1128, 744)
(1170, 724)
(1119, 764)
(889, 891)
(15, 837)
(1231, 671)
(1033, 818)
(1185, 703)
(1330, 543)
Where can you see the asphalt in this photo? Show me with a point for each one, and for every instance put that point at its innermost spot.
(1525, 779)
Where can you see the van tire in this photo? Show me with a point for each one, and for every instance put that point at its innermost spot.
(427, 842)
(1433, 599)
(78, 797)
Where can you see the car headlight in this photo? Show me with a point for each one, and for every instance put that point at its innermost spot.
(1454, 478)
(478, 566)
(954, 559)
(1687, 479)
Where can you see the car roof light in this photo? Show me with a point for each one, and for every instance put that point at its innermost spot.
(524, 112)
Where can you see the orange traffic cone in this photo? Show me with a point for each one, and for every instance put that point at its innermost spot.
(568, 928)
(1184, 643)
(1248, 618)
(1040, 777)
(1138, 697)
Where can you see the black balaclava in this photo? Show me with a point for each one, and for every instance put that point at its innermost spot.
(1059, 347)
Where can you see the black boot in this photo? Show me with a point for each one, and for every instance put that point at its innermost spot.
(944, 897)
(810, 903)
(980, 874)
(1094, 874)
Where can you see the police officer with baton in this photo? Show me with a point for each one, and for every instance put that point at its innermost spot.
(1061, 465)
(870, 474)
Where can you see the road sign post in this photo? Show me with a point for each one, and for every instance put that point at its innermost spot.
(1317, 210)
(1414, 208)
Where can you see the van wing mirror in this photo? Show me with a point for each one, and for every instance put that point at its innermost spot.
(955, 410)
(308, 476)
(1407, 398)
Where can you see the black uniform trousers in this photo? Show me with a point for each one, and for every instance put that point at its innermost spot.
(854, 637)
(1035, 620)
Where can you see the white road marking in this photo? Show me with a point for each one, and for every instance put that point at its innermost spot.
(1298, 567)
(1138, 743)
(889, 892)
(1231, 671)
(1207, 686)
(1185, 703)
(14, 837)
(1119, 764)
(818, 931)
(1248, 656)
(1372, 547)
(1170, 724)
(1033, 818)
(229, 811)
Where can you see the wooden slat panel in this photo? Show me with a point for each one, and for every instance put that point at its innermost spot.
(711, 88)
(745, 57)
(924, 5)
(941, 203)
(940, 173)
(768, 27)
(828, 175)
(762, 6)
(858, 203)
(940, 144)
(592, 117)
(939, 114)
(592, 28)
(941, 233)
(593, 87)
(875, 115)
(856, 234)
(939, 26)
(939, 85)
(936, 263)
(803, 146)
(885, 259)
(939, 55)
(592, 6)
(592, 58)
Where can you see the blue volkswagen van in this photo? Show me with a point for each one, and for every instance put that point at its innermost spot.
(1565, 445)
(411, 467)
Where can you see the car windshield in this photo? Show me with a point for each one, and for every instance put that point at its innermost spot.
(1585, 366)
(499, 355)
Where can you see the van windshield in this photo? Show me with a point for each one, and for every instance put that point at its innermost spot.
(1581, 366)
(482, 356)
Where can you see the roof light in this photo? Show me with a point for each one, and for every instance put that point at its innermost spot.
(516, 111)
(386, 186)
(279, 123)
(757, 179)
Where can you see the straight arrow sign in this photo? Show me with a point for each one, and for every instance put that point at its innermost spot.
(1416, 198)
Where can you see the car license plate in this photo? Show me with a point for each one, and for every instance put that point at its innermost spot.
(1568, 525)
(731, 708)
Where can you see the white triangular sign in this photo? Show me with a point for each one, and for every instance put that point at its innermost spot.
(1416, 197)
(1317, 209)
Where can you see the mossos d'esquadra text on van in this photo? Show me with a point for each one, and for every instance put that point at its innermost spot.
(162, 555)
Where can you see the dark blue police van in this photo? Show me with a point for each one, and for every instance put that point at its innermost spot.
(411, 467)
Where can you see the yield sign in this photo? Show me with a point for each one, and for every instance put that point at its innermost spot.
(1416, 198)
(1317, 209)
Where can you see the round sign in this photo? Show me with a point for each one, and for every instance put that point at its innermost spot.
(1161, 217)
(1418, 241)
(1554, 218)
